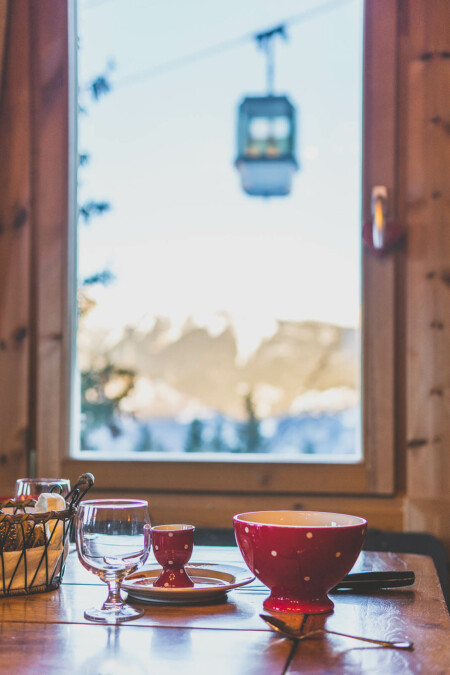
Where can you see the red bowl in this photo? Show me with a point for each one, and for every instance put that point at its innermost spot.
(299, 555)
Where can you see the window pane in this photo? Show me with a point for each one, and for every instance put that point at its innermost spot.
(212, 320)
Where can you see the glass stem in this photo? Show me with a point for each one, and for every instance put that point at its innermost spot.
(114, 600)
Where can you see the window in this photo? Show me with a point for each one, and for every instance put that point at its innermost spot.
(219, 318)
(261, 477)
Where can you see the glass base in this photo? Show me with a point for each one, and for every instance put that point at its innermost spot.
(114, 615)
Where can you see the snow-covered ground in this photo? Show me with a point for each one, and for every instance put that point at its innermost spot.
(322, 433)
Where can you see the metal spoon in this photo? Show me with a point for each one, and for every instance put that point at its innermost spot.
(281, 627)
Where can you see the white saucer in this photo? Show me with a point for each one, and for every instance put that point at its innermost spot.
(211, 581)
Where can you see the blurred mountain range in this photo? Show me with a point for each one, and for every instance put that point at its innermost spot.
(195, 370)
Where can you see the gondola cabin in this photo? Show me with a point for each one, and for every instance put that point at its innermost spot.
(266, 145)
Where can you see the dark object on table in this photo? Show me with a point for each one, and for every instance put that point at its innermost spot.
(412, 542)
(371, 581)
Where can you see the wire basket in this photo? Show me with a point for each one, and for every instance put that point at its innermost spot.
(34, 546)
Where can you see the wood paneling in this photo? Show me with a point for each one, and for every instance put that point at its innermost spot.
(217, 510)
(3, 22)
(15, 242)
(378, 273)
(33, 223)
(49, 40)
(426, 110)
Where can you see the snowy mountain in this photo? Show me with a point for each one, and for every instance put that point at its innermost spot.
(189, 371)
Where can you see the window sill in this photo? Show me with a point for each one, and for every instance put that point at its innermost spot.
(234, 477)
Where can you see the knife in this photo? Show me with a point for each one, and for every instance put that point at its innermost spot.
(371, 581)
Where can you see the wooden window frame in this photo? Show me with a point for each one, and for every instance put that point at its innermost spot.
(53, 264)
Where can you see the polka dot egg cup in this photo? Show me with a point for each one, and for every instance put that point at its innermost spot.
(172, 546)
(299, 555)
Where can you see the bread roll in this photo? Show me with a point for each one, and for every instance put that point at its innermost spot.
(16, 536)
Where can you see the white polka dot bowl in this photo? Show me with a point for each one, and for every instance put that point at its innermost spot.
(172, 546)
(299, 555)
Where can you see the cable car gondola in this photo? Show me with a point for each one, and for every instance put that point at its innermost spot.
(266, 143)
(266, 136)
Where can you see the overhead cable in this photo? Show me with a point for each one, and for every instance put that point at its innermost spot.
(227, 45)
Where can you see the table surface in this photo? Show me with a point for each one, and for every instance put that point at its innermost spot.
(47, 632)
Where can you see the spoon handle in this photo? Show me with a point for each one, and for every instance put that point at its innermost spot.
(279, 626)
(384, 643)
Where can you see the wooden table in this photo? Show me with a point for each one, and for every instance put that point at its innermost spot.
(47, 633)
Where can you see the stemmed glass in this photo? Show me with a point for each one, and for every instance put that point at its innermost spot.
(113, 538)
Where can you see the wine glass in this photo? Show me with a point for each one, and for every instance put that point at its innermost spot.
(113, 538)
(27, 488)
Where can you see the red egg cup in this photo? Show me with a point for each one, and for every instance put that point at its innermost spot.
(172, 546)
(300, 556)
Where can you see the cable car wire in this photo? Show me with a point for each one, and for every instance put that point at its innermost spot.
(93, 4)
(226, 45)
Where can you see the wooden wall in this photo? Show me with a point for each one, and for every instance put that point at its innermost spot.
(49, 69)
(425, 44)
(15, 248)
(33, 213)
(3, 21)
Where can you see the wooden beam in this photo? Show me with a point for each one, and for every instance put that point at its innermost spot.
(221, 477)
(3, 24)
(49, 39)
(217, 510)
(378, 279)
(15, 248)
(427, 162)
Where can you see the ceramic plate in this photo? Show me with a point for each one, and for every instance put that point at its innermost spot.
(211, 581)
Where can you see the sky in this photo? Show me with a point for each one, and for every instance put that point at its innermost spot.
(182, 239)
